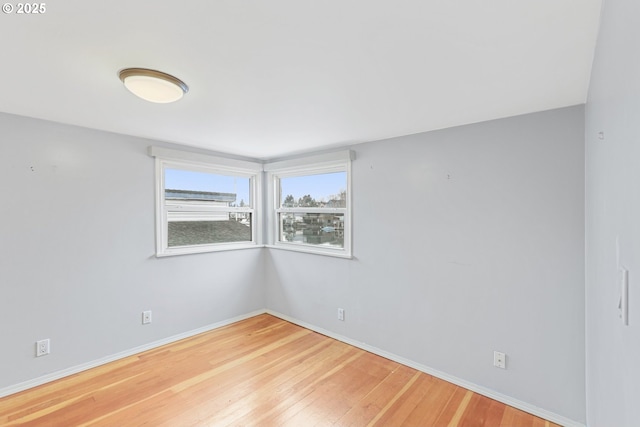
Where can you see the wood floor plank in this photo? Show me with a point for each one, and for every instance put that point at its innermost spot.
(449, 413)
(432, 404)
(513, 416)
(399, 413)
(482, 412)
(461, 407)
(305, 389)
(280, 389)
(262, 371)
(357, 387)
(365, 409)
(391, 402)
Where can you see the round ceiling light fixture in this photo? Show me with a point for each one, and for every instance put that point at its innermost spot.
(152, 85)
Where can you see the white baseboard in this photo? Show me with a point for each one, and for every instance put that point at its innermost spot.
(539, 412)
(95, 363)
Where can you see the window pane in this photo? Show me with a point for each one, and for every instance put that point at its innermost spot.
(208, 228)
(201, 187)
(326, 229)
(327, 190)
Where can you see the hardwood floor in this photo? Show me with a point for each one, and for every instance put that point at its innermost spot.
(262, 371)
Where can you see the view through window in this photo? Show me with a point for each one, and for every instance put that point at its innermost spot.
(201, 206)
(312, 209)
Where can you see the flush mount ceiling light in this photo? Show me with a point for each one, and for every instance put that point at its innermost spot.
(152, 85)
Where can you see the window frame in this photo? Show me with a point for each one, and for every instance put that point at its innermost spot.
(173, 159)
(307, 166)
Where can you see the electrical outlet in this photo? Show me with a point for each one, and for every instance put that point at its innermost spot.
(341, 314)
(146, 317)
(499, 360)
(43, 347)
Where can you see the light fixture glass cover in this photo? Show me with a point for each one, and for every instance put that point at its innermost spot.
(152, 85)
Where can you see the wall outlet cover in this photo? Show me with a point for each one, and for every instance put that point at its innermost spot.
(499, 360)
(43, 347)
(146, 317)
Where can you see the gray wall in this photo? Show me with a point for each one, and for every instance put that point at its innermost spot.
(466, 240)
(77, 258)
(613, 210)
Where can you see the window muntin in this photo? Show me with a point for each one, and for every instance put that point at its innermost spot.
(205, 208)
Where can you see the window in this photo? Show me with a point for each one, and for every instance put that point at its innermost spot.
(204, 203)
(311, 204)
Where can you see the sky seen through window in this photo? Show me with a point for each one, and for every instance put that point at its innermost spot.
(321, 187)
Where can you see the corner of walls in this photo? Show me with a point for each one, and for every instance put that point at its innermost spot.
(78, 250)
(485, 253)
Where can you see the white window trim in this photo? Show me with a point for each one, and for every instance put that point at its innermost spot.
(204, 163)
(310, 165)
(307, 165)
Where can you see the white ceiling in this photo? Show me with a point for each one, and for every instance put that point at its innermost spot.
(270, 78)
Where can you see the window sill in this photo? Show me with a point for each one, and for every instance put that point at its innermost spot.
(235, 247)
(309, 250)
(206, 248)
